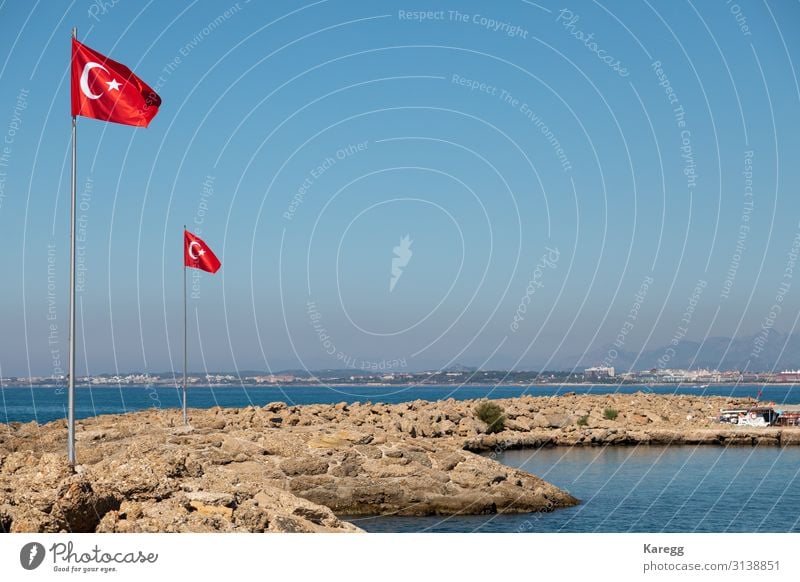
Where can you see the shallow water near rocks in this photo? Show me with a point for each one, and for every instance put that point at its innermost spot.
(644, 489)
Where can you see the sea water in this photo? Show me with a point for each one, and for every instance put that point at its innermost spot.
(644, 489)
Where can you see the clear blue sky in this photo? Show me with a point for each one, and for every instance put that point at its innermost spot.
(489, 133)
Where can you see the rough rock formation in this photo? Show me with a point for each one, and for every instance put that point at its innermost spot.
(252, 469)
(292, 468)
(568, 419)
(39, 493)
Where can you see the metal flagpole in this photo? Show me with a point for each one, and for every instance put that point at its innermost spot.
(185, 349)
(71, 377)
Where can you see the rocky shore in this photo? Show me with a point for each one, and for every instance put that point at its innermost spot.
(294, 468)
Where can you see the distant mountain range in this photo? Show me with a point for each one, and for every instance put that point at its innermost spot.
(778, 352)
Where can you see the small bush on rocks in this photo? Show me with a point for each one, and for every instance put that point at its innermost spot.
(610, 413)
(492, 415)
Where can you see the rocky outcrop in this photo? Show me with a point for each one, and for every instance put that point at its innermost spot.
(148, 493)
(569, 419)
(294, 468)
(274, 468)
(414, 477)
(630, 437)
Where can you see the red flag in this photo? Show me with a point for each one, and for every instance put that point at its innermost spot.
(108, 90)
(197, 255)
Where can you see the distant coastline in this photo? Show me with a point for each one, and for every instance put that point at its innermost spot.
(457, 375)
(391, 385)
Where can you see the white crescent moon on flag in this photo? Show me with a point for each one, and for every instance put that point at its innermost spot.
(191, 254)
(85, 79)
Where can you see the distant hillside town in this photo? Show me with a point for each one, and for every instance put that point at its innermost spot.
(681, 376)
(463, 375)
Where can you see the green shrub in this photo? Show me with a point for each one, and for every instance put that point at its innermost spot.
(610, 413)
(492, 415)
(583, 421)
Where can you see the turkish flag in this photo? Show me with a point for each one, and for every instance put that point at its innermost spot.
(197, 255)
(108, 90)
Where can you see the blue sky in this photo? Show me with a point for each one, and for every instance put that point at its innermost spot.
(303, 141)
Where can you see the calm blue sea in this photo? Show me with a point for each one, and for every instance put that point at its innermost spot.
(644, 489)
(44, 404)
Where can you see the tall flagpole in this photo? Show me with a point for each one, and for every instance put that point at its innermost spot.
(185, 349)
(71, 378)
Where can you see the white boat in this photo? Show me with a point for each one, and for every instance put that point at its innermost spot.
(759, 416)
(752, 419)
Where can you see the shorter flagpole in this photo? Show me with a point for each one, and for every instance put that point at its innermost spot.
(185, 348)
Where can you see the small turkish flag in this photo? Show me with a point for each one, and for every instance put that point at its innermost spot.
(108, 90)
(197, 255)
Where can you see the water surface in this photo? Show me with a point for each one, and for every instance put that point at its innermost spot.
(644, 489)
